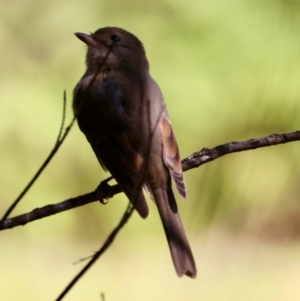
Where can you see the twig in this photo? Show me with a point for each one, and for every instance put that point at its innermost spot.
(127, 214)
(206, 155)
(102, 192)
(60, 139)
(199, 158)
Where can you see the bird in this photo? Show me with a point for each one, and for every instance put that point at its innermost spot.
(121, 110)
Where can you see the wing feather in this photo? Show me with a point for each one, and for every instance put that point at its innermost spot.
(171, 154)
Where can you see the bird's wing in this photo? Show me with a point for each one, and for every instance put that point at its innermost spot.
(126, 166)
(102, 116)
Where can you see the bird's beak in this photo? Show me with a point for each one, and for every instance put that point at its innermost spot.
(87, 39)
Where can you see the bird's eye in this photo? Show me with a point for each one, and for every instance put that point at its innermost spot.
(115, 38)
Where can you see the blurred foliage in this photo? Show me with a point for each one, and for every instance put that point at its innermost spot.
(229, 71)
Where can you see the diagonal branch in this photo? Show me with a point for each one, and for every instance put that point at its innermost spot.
(127, 214)
(104, 191)
(59, 140)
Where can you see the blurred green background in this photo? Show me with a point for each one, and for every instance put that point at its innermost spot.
(229, 71)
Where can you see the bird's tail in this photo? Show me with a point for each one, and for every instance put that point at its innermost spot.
(182, 256)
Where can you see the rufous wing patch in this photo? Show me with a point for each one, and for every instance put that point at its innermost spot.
(171, 154)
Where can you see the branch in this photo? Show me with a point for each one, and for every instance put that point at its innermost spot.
(59, 140)
(104, 191)
(206, 155)
(127, 214)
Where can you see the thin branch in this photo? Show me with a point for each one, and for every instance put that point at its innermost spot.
(127, 214)
(63, 119)
(60, 139)
(104, 191)
(207, 155)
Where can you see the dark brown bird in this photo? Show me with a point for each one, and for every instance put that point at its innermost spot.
(121, 111)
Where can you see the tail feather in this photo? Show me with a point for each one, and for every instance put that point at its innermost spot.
(182, 256)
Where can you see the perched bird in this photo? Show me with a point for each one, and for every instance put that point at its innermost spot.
(121, 111)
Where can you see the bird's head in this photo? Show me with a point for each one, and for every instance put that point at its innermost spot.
(115, 48)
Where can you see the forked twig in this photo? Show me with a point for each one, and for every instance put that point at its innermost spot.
(60, 139)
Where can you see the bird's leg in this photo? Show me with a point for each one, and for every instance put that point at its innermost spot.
(104, 189)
